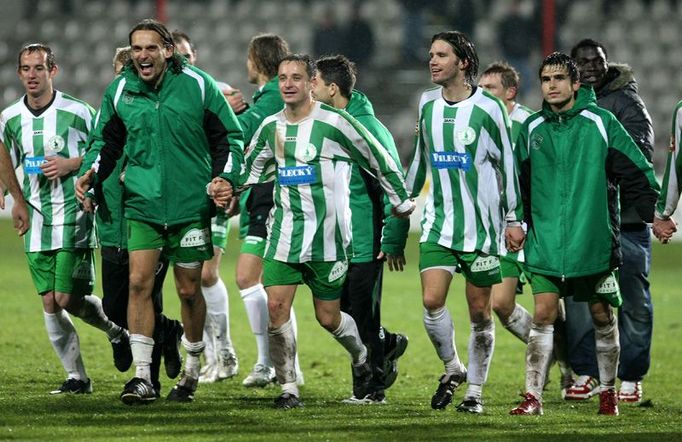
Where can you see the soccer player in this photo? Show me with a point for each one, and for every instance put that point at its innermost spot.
(264, 54)
(664, 225)
(310, 148)
(463, 136)
(616, 90)
(176, 130)
(221, 359)
(502, 80)
(111, 230)
(45, 132)
(570, 154)
(372, 240)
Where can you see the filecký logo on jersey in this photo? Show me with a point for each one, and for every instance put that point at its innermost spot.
(295, 175)
(338, 271)
(451, 160)
(128, 98)
(465, 136)
(32, 165)
(54, 144)
(536, 141)
(194, 238)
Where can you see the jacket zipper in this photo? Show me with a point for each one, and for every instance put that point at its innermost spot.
(562, 164)
(160, 160)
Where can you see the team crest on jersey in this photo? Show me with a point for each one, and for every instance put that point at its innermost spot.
(55, 144)
(308, 154)
(466, 136)
(127, 98)
(194, 238)
(536, 141)
(338, 271)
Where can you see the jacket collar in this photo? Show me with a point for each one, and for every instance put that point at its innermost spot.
(585, 98)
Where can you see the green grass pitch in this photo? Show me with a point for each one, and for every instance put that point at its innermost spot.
(227, 411)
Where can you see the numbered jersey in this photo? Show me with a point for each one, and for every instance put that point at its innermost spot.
(467, 147)
(312, 160)
(62, 130)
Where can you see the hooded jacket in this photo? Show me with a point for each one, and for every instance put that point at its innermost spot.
(620, 96)
(369, 205)
(569, 161)
(174, 138)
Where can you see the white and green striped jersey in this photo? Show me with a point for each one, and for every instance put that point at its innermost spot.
(60, 129)
(467, 147)
(672, 186)
(311, 217)
(517, 116)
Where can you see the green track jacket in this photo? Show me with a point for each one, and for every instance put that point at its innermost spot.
(174, 139)
(368, 203)
(568, 161)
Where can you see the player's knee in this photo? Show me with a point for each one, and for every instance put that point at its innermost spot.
(189, 292)
(479, 315)
(327, 320)
(432, 302)
(502, 310)
(244, 281)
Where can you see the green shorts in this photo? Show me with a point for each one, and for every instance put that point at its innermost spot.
(480, 269)
(253, 245)
(220, 227)
(325, 279)
(184, 243)
(592, 289)
(510, 267)
(69, 271)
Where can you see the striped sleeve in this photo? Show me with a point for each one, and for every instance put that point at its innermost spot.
(418, 165)
(259, 155)
(370, 155)
(670, 189)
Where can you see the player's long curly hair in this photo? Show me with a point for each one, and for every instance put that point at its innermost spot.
(176, 60)
(464, 50)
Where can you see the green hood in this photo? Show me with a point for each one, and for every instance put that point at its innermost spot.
(359, 105)
(585, 98)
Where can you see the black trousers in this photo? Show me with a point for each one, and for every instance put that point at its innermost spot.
(115, 283)
(361, 298)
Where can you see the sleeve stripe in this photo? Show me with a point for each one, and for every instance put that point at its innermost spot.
(200, 80)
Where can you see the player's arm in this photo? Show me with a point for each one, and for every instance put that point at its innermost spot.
(105, 147)
(396, 229)
(364, 149)
(415, 177)
(627, 165)
(634, 117)
(259, 155)
(501, 149)
(9, 183)
(8, 178)
(664, 226)
(224, 134)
